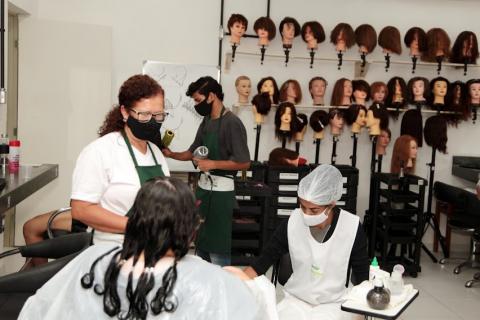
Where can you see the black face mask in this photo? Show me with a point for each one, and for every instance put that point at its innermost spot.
(204, 108)
(144, 130)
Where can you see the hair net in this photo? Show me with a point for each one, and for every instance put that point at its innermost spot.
(322, 186)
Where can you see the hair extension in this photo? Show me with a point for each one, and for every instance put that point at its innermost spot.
(262, 103)
(435, 133)
(389, 101)
(161, 301)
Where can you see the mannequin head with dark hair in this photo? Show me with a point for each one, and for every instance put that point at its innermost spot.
(465, 48)
(412, 124)
(389, 40)
(473, 90)
(265, 29)
(418, 91)
(366, 38)
(438, 45)
(313, 34)
(397, 94)
(317, 87)
(343, 37)
(285, 120)
(361, 91)
(416, 40)
(383, 141)
(342, 93)
(336, 121)
(356, 116)
(438, 89)
(404, 155)
(457, 101)
(261, 106)
(285, 158)
(302, 125)
(377, 119)
(291, 91)
(378, 92)
(435, 133)
(237, 25)
(318, 121)
(268, 84)
(289, 29)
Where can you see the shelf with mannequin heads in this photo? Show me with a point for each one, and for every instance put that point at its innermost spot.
(427, 49)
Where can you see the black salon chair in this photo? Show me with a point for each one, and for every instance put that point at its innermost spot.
(16, 288)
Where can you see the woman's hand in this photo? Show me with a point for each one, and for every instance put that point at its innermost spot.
(237, 272)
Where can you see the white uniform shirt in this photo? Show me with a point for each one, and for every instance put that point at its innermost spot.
(105, 174)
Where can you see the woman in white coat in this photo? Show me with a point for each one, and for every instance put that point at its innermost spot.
(323, 243)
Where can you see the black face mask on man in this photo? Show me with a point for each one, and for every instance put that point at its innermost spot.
(204, 108)
(144, 130)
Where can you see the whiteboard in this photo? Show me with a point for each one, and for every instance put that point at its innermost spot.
(182, 118)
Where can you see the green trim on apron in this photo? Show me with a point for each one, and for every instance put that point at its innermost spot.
(215, 233)
(145, 173)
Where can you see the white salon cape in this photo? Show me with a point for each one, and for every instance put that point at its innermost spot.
(204, 291)
(316, 288)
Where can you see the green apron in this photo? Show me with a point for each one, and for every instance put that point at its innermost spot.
(215, 234)
(145, 173)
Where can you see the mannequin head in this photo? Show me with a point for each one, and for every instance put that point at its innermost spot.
(418, 90)
(317, 87)
(285, 158)
(412, 124)
(265, 29)
(302, 125)
(378, 92)
(313, 34)
(361, 91)
(377, 119)
(435, 133)
(261, 107)
(290, 91)
(336, 121)
(457, 101)
(342, 93)
(356, 116)
(473, 90)
(366, 38)
(285, 120)
(269, 85)
(244, 87)
(289, 29)
(465, 48)
(438, 45)
(383, 141)
(416, 40)
(318, 121)
(389, 40)
(397, 94)
(439, 88)
(404, 155)
(343, 37)
(237, 25)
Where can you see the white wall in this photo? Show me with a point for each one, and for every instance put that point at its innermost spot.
(186, 31)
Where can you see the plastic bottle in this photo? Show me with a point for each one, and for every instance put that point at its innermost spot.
(14, 156)
(374, 268)
(396, 281)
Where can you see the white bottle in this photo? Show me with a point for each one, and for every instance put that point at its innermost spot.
(395, 283)
(374, 268)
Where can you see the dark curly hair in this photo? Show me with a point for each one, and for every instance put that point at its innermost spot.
(134, 89)
(267, 24)
(319, 120)
(236, 17)
(276, 92)
(164, 218)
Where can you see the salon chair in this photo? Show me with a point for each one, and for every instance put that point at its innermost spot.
(16, 288)
(465, 220)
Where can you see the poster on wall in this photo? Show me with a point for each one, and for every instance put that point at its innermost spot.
(182, 118)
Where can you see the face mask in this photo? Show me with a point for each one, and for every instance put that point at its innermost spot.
(204, 108)
(301, 161)
(144, 131)
(313, 220)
